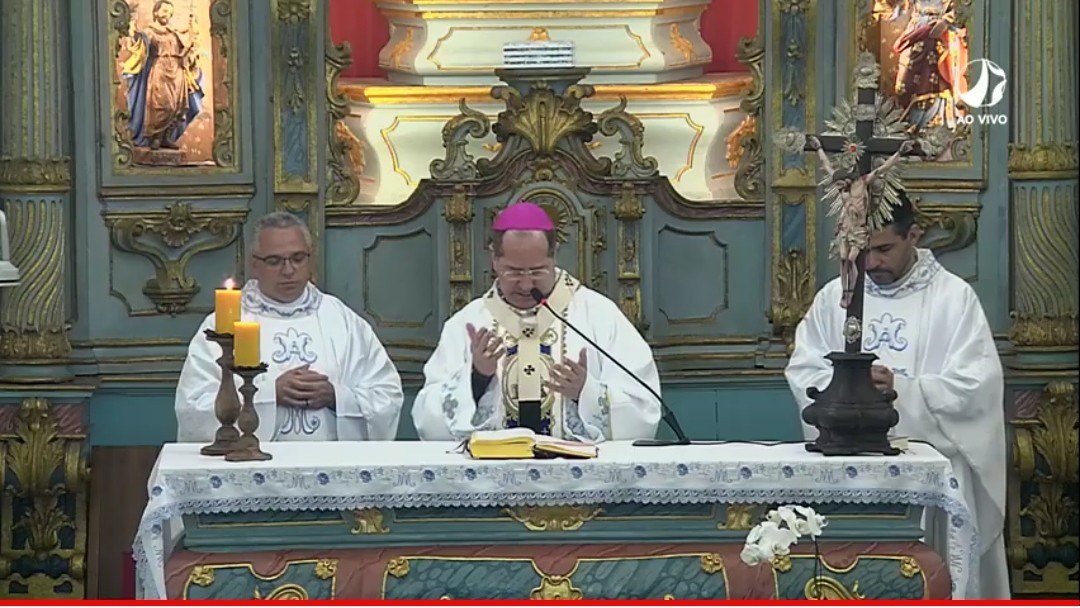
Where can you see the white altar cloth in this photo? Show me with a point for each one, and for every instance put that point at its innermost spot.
(356, 475)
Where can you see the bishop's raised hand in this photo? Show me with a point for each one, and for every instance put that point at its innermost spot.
(487, 349)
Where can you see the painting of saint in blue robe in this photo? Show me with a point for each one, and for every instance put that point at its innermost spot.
(164, 80)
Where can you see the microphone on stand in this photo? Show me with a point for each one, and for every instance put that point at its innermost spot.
(665, 412)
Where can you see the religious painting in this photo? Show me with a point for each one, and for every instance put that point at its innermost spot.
(922, 47)
(170, 69)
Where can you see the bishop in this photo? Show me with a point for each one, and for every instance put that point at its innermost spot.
(505, 354)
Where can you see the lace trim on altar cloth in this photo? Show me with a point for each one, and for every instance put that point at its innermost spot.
(546, 483)
(917, 279)
(255, 302)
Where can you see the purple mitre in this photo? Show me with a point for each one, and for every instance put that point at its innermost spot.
(523, 216)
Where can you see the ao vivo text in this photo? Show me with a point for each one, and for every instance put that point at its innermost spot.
(983, 119)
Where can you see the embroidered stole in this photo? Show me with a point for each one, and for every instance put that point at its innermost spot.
(530, 339)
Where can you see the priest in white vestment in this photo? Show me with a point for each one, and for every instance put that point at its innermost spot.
(936, 350)
(504, 347)
(329, 377)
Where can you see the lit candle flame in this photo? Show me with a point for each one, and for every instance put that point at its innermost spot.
(229, 283)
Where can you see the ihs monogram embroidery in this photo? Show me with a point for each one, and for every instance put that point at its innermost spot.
(292, 345)
(885, 331)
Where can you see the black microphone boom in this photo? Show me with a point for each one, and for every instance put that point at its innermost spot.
(665, 412)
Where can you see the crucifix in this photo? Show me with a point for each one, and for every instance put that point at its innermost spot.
(854, 185)
(851, 415)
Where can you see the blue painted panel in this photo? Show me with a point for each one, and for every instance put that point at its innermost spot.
(759, 414)
(793, 35)
(122, 415)
(707, 278)
(129, 416)
(793, 227)
(294, 117)
(601, 524)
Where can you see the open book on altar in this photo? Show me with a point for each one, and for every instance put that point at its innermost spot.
(523, 443)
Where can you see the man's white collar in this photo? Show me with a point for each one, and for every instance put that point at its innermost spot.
(920, 277)
(256, 302)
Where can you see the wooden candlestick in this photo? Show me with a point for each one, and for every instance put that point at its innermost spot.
(247, 447)
(227, 404)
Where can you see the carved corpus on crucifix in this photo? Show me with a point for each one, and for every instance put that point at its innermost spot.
(851, 415)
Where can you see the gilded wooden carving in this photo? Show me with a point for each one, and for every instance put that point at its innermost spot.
(156, 47)
(1048, 160)
(43, 516)
(43, 175)
(750, 162)
(291, 582)
(33, 318)
(828, 588)
(345, 158)
(458, 212)
(712, 563)
(169, 238)
(1043, 510)
(1044, 252)
(553, 518)
(288, 591)
(555, 588)
(545, 154)
(947, 227)
(741, 516)
(792, 296)
(628, 211)
(398, 567)
(368, 521)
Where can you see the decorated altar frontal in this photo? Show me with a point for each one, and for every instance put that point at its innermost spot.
(419, 520)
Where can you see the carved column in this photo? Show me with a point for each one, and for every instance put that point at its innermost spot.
(35, 188)
(1043, 172)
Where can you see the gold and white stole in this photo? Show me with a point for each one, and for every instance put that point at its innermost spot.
(527, 333)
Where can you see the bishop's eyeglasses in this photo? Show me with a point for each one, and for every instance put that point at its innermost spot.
(535, 273)
(297, 259)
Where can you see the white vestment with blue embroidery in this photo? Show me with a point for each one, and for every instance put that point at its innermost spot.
(317, 330)
(930, 330)
(612, 406)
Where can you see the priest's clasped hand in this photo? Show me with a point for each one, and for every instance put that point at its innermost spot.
(486, 349)
(882, 377)
(302, 387)
(568, 378)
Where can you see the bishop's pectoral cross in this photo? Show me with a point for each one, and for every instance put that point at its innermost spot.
(864, 146)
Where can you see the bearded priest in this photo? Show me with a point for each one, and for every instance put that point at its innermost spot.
(504, 350)
(936, 350)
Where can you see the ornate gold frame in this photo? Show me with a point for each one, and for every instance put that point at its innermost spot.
(226, 146)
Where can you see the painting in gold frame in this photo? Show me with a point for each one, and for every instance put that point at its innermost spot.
(170, 71)
(922, 47)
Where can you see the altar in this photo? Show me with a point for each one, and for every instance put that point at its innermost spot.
(415, 520)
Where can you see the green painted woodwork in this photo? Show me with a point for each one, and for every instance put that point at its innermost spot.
(143, 414)
(507, 579)
(613, 523)
(125, 353)
(676, 576)
(297, 580)
(871, 577)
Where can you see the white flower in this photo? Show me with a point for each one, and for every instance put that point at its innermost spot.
(752, 555)
(788, 516)
(812, 522)
(783, 527)
(766, 541)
